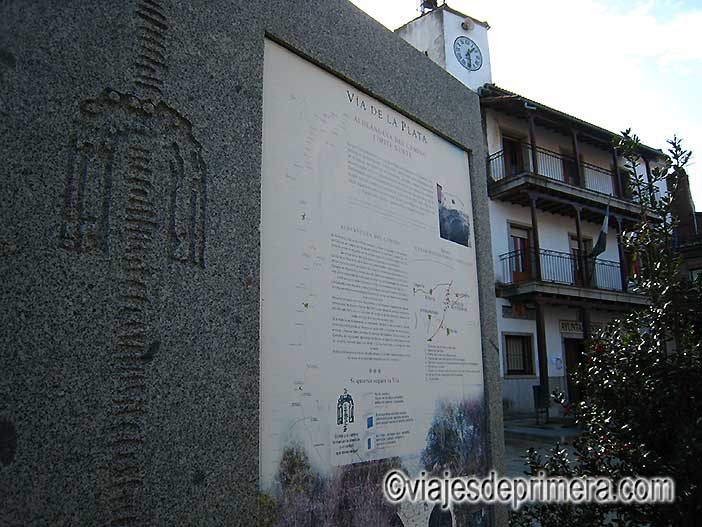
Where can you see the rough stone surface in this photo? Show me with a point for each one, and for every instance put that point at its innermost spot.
(129, 250)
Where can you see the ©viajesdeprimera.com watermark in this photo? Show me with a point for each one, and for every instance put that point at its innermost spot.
(398, 487)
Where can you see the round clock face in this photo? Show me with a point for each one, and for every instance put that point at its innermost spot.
(468, 53)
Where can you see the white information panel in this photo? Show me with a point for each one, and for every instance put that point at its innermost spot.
(370, 329)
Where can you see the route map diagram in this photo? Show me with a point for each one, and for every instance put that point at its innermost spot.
(437, 319)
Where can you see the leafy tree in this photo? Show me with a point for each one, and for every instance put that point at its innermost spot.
(455, 440)
(355, 497)
(352, 496)
(642, 377)
(456, 443)
(298, 499)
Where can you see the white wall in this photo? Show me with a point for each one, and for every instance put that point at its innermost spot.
(479, 35)
(641, 171)
(517, 390)
(554, 233)
(514, 326)
(427, 35)
(434, 34)
(662, 187)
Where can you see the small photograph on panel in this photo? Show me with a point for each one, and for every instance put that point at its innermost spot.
(454, 224)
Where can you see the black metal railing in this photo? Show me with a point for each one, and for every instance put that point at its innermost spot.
(497, 166)
(597, 178)
(560, 268)
(510, 163)
(608, 275)
(519, 159)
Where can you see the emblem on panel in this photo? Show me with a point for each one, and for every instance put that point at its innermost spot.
(344, 410)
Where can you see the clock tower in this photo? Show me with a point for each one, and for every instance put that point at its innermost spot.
(455, 41)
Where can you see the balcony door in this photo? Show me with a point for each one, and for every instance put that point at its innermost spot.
(520, 247)
(580, 275)
(514, 156)
(570, 168)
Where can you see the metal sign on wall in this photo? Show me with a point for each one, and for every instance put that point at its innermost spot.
(370, 324)
(575, 326)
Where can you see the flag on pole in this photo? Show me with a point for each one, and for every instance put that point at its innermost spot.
(634, 264)
(601, 243)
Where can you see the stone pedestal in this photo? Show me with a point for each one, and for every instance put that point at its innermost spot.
(130, 137)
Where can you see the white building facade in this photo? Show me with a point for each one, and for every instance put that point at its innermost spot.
(552, 180)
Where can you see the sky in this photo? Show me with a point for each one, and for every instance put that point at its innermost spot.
(615, 63)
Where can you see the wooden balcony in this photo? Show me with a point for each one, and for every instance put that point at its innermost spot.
(559, 182)
(563, 277)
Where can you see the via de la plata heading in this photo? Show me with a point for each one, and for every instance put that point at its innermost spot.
(386, 117)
